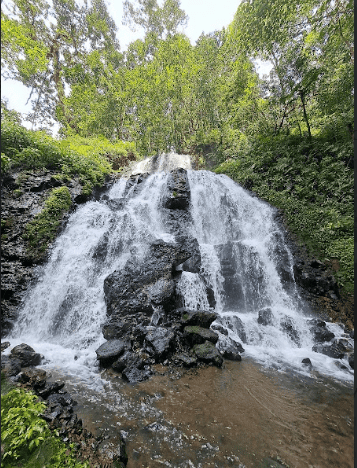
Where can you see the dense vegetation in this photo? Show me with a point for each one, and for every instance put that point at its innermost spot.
(25, 436)
(288, 136)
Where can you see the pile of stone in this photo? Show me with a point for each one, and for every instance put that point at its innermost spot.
(183, 338)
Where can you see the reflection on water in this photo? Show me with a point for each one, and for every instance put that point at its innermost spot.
(241, 414)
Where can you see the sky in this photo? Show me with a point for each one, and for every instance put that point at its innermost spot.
(204, 16)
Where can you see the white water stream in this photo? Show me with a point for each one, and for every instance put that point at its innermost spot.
(241, 249)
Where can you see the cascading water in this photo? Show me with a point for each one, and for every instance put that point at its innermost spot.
(244, 262)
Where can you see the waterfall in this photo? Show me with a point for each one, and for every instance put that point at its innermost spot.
(245, 262)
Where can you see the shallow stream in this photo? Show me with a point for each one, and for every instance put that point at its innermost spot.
(240, 415)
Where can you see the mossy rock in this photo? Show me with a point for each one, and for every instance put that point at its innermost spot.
(198, 335)
(207, 352)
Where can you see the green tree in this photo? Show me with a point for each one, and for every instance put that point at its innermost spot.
(44, 44)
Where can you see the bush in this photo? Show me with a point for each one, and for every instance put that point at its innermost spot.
(26, 438)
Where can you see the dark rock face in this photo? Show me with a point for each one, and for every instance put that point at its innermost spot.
(23, 196)
(315, 279)
(265, 316)
(178, 191)
(139, 288)
(26, 355)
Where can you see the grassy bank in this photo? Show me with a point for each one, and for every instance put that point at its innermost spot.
(312, 182)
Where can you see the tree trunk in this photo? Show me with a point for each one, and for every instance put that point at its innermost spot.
(305, 114)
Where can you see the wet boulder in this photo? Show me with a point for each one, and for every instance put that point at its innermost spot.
(35, 377)
(306, 362)
(134, 375)
(194, 334)
(265, 316)
(61, 399)
(108, 352)
(335, 350)
(159, 341)
(236, 325)
(5, 345)
(319, 330)
(26, 355)
(208, 353)
(115, 328)
(220, 329)
(230, 349)
(201, 318)
(48, 389)
(288, 326)
(128, 359)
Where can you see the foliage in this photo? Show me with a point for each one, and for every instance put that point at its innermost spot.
(313, 184)
(155, 20)
(26, 437)
(44, 43)
(42, 229)
(26, 149)
(117, 153)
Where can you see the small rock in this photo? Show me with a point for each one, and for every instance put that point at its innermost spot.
(307, 362)
(160, 340)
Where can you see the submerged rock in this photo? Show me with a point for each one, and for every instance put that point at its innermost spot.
(351, 360)
(320, 331)
(336, 350)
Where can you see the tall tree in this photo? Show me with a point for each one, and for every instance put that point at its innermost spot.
(43, 44)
